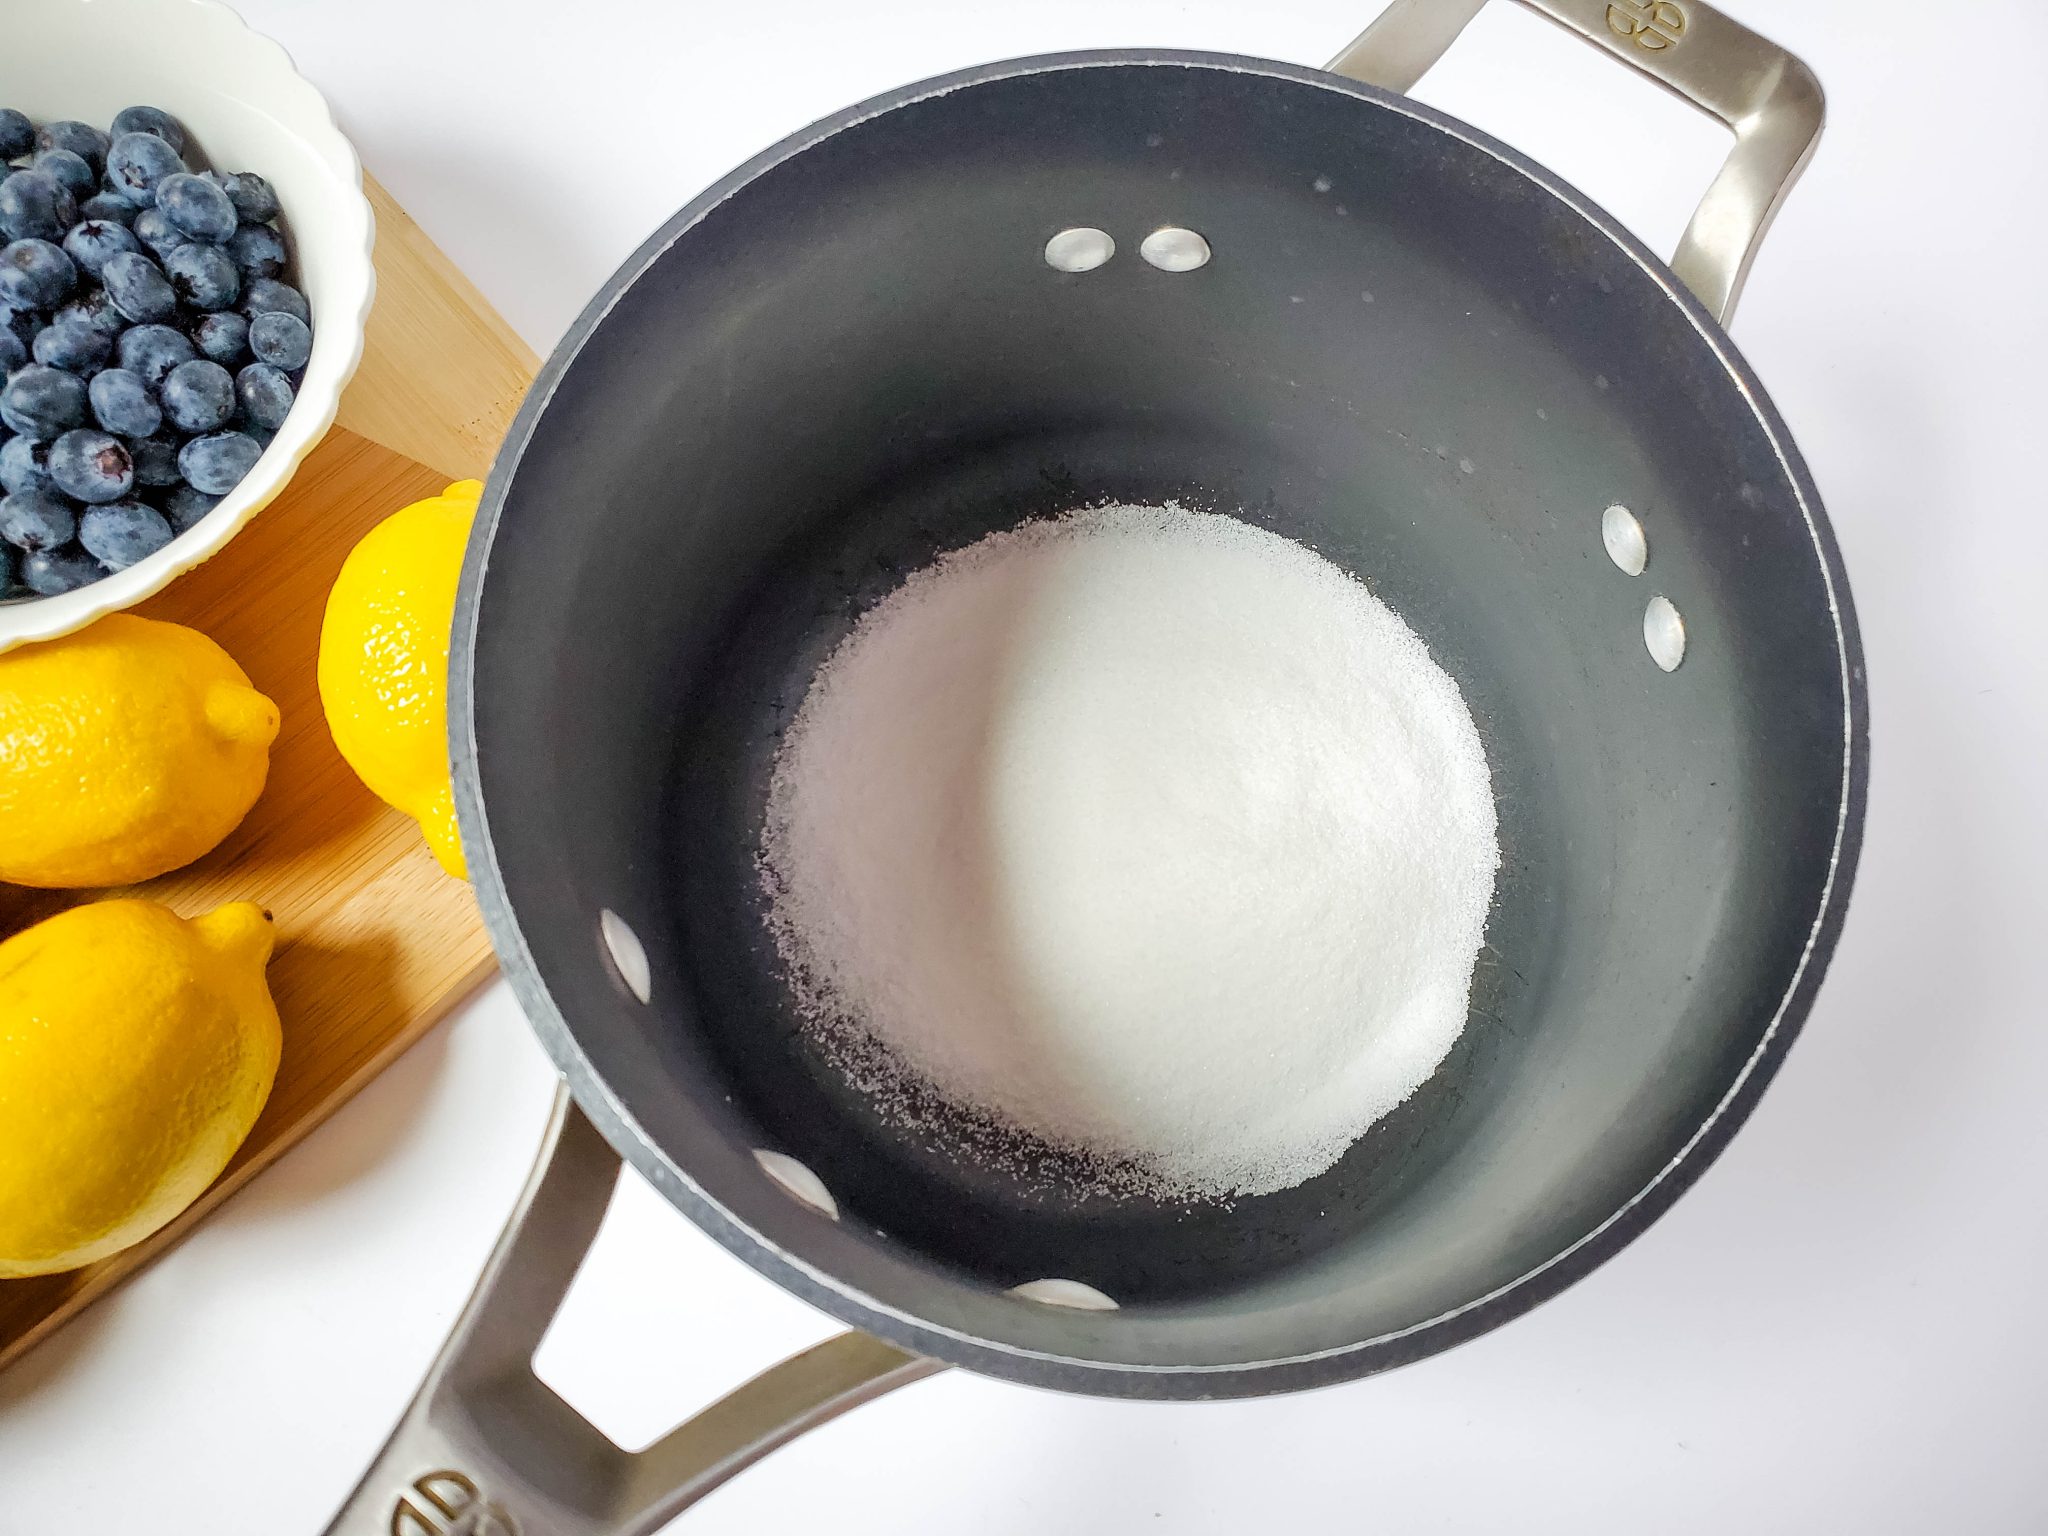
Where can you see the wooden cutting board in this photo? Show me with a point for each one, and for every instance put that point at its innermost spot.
(374, 942)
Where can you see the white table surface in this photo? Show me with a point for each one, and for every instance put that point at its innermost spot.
(1841, 1329)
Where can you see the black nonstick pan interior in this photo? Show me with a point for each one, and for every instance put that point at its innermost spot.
(1408, 352)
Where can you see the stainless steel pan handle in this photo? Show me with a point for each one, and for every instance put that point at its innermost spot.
(1770, 101)
(487, 1449)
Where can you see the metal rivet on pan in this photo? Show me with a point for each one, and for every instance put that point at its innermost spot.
(1173, 249)
(798, 1182)
(1622, 533)
(629, 958)
(1664, 633)
(1079, 250)
(1064, 1293)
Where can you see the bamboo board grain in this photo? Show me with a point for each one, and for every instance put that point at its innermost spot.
(374, 942)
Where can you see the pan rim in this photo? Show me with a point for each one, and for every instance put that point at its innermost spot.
(1110, 1378)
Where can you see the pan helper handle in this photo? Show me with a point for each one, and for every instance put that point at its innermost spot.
(488, 1449)
(1765, 96)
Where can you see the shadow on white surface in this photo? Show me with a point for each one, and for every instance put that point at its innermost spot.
(24, 1382)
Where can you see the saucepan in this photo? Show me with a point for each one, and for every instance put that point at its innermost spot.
(1290, 294)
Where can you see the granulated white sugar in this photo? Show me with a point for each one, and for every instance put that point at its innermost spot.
(1143, 831)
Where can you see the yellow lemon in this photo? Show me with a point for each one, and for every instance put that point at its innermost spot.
(384, 660)
(135, 1051)
(126, 749)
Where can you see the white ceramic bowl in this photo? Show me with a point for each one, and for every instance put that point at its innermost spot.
(244, 107)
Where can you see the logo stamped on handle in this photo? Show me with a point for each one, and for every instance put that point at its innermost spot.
(1652, 25)
(448, 1503)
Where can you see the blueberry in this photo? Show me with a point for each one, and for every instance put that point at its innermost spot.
(199, 396)
(137, 165)
(184, 506)
(12, 353)
(72, 345)
(216, 463)
(258, 250)
(155, 230)
(252, 196)
(91, 466)
(93, 241)
(266, 395)
(41, 401)
(95, 309)
(122, 533)
(35, 206)
(25, 465)
(152, 351)
(122, 403)
(266, 295)
(34, 274)
(50, 572)
(203, 276)
(34, 520)
(150, 120)
(223, 337)
(108, 208)
(17, 134)
(196, 206)
(281, 340)
(11, 584)
(81, 139)
(156, 459)
(77, 176)
(138, 287)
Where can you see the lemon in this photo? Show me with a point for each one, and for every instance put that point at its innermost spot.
(126, 749)
(135, 1051)
(384, 660)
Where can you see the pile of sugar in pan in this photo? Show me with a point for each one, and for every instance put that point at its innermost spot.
(1143, 831)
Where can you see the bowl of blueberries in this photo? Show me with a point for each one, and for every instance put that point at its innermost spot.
(185, 272)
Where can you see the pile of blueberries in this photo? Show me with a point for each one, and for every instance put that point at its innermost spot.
(148, 339)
